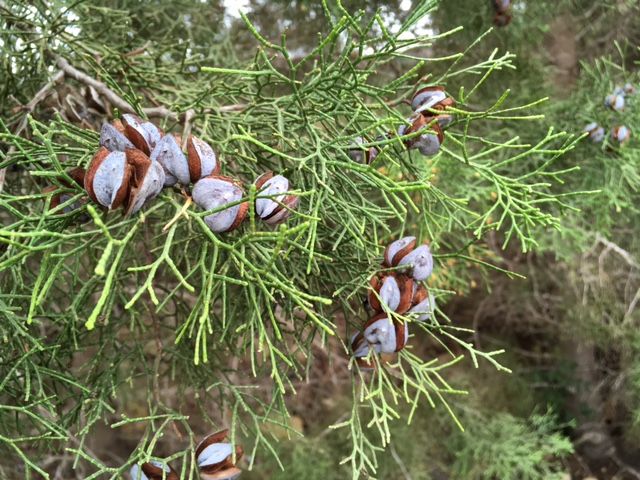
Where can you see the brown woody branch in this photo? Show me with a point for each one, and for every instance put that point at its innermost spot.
(123, 105)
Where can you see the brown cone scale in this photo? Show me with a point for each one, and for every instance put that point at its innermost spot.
(139, 164)
(156, 473)
(136, 137)
(400, 254)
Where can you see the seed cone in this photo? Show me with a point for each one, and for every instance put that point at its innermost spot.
(107, 178)
(216, 191)
(273, 206)
(215, 457)
(147, 180)
(202, 159)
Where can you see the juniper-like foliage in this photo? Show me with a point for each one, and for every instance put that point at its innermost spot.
(139, 323)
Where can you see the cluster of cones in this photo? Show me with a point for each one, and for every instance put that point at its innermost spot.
(136, 160)
(215, 457)
(429, 117)
(429, 105)
(393, 293)
(616, 101)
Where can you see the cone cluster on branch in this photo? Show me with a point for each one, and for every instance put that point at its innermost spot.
(429, 117)
(215, 457)
(619, 135)
(396, 292)
(136, 160)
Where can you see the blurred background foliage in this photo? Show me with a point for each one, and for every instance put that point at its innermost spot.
(571, 407)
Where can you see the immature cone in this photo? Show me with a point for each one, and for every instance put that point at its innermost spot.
(202, 159)
(112, 137)
(615, 101)
(395, 251)
(153, 470)
(360, 349)
(107, 178)
(596, 132)
(431, 98)
(621, 134)
(215, 458)
(273, 205)
(77, 175)
(360, 154)
(147, 180)
(174, 162)
(395, 291)
(431, 138)
(422, 304)
(385, 335)
(421, 262)
(216, 191)
(405, 252)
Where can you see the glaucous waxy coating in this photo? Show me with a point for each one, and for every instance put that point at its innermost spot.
(152, 134)
(427, 98)
(278, 207)
(109, 178)
(147, 180)
(274, 188)
(215, 457)
(168, 154)
(361, 347)
(596, 132)
(393, 291)
(112, 139)
(621, 134)
(629, 88)
(215, 453)
(390, 293)
(422, 262)
(386, 335)
(590, 126)
(398, 248)
(210, 193)
(428, 144)
(423, 310)
(614, 102)
(382, 334)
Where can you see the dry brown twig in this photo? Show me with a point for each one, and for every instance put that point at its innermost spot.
(123, 105)
(68, 70)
